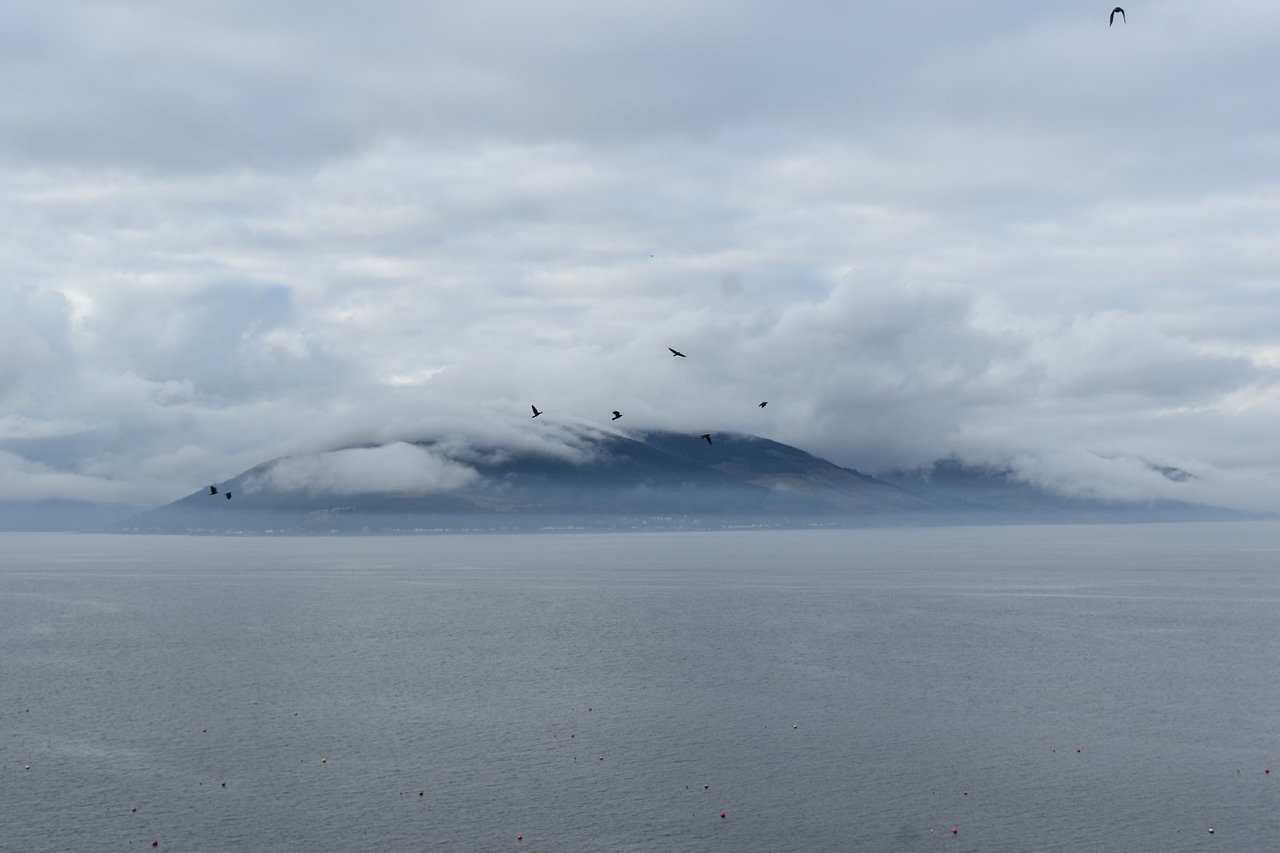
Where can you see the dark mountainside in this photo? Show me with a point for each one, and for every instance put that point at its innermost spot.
(648, 481)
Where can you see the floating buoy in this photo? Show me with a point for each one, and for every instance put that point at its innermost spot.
(706, 787)
(571, 734)
(1211, 830)
(1267, 771)
(422, 793)
(134, 809)
(223, 784)
(955, 830)
(324, 761)
(155, 842)
(795, 727)
(722, 815)
(28, 767)
(519, 838)
(1077, 749)
(966, 793)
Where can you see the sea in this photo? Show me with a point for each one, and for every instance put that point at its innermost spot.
(1018, 688)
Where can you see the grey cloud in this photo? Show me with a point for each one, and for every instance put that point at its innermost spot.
(1113, 353)
(397, 468)
(240, 231)
(23, 480)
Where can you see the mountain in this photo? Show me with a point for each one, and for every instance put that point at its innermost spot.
(960, 493)
(599, 480)
(609, 481)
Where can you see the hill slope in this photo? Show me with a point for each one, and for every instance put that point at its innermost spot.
(610, 481)
(599, 480)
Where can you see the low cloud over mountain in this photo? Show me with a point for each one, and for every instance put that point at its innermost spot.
(610, 480)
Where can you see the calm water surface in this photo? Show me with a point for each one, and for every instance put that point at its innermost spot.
(1037, 688)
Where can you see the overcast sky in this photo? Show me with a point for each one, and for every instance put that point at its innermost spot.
(1001, 230)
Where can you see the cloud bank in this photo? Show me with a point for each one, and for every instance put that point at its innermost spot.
(1002, 232)
(399, 469)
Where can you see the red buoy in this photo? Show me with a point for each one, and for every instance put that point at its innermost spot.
(519, 838)
(722, 815)
(422, 793)
(155, 842)
(955, 830)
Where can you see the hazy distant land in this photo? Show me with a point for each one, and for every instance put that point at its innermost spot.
(646, 481)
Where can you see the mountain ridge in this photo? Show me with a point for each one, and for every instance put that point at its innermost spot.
(606, 480)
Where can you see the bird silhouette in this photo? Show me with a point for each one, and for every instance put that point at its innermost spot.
(535, 411)
(228, 496)
(1112, 19)
(676, 352)
(707, 436)
(765, 403)
(213, 490)
(616, 415)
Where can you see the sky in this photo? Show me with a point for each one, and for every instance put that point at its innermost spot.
(1004, 232)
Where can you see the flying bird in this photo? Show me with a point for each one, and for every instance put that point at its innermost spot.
(765, 403)
(676, 352)
(616, 415)
(707, 436)
(228, 496)
(1112, 19)
(213, 490)
(535, 411)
